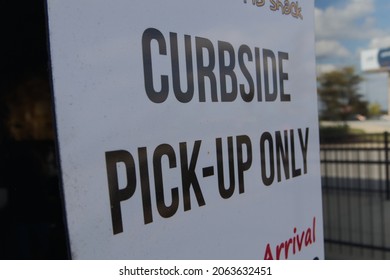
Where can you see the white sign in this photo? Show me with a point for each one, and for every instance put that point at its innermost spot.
(375, 60)
(187, 129)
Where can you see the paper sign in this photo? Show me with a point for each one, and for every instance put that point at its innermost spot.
(187, 129)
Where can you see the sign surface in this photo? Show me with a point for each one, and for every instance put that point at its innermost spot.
(187, 129)
(375, 60)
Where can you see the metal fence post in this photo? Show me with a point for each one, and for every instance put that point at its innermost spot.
(386, 135)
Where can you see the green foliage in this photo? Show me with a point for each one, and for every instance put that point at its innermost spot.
(339, 133)
(339, 95)
(374, 110)
(333, 131)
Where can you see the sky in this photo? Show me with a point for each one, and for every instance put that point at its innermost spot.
(346, 27)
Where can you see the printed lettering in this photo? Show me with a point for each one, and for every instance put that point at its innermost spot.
(119, 193)
(164, 210)
(189, 177)
(212, 62)
(280, 158)
(299, 241)
(224, 191)
(150, 34)
(285, 7)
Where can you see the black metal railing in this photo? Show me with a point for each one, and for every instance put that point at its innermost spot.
(356, 196)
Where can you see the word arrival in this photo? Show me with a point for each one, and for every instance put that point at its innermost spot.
(293, 245)
(175, 175)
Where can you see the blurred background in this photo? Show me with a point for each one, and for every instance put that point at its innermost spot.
(353, 58)
(30, 205)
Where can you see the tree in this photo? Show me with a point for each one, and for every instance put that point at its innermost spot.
(339, 95)
(375, 110)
